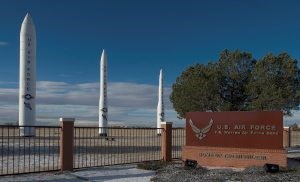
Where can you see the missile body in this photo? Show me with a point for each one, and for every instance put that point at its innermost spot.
(103, 96)
(160, 105)
(27, 81)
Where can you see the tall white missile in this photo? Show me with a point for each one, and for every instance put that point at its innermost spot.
(103, 96)
(160, 105)
(27, 82)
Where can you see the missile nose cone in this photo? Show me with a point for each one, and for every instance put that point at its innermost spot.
(103, 53)
(103, 57)
(28, 26)
(28, 20)
(160, 74)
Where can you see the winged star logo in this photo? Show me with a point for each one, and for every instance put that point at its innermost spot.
(201, 132)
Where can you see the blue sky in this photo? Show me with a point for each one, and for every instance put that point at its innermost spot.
(140, 38)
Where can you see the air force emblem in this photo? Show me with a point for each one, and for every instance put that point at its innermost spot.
(201, 132)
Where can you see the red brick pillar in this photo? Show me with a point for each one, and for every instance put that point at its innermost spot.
(166, 147)
(66, 143)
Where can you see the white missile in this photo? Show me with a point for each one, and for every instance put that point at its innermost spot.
(103, 96)
(27, 82)
(160, 105)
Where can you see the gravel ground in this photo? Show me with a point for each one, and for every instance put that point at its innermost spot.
(174, 172)
(177, 172)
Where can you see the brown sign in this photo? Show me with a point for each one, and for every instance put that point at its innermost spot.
(257, 130)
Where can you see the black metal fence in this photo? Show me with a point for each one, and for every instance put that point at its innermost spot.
(120, 146)
(21, 154)
(178, 141)
(294, 137)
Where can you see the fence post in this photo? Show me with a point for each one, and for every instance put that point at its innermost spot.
(66, 143)
(290, 138)
(166, 147)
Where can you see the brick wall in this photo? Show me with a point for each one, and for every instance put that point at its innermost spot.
(233, 157)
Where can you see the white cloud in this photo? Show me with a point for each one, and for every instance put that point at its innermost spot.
(289, 120)
(128, 103)
(120, 94)
(2, 43)
(9, 95)
(8, 113)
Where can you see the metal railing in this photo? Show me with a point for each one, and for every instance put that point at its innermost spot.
(21, 154)
(294, 136)
(178, 141)
(120, 146)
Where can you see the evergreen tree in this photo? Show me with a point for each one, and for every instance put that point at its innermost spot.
(237, 82)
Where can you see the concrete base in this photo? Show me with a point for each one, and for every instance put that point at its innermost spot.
(28, 136)
(27, 131)
(234, 157)
(103, 134)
